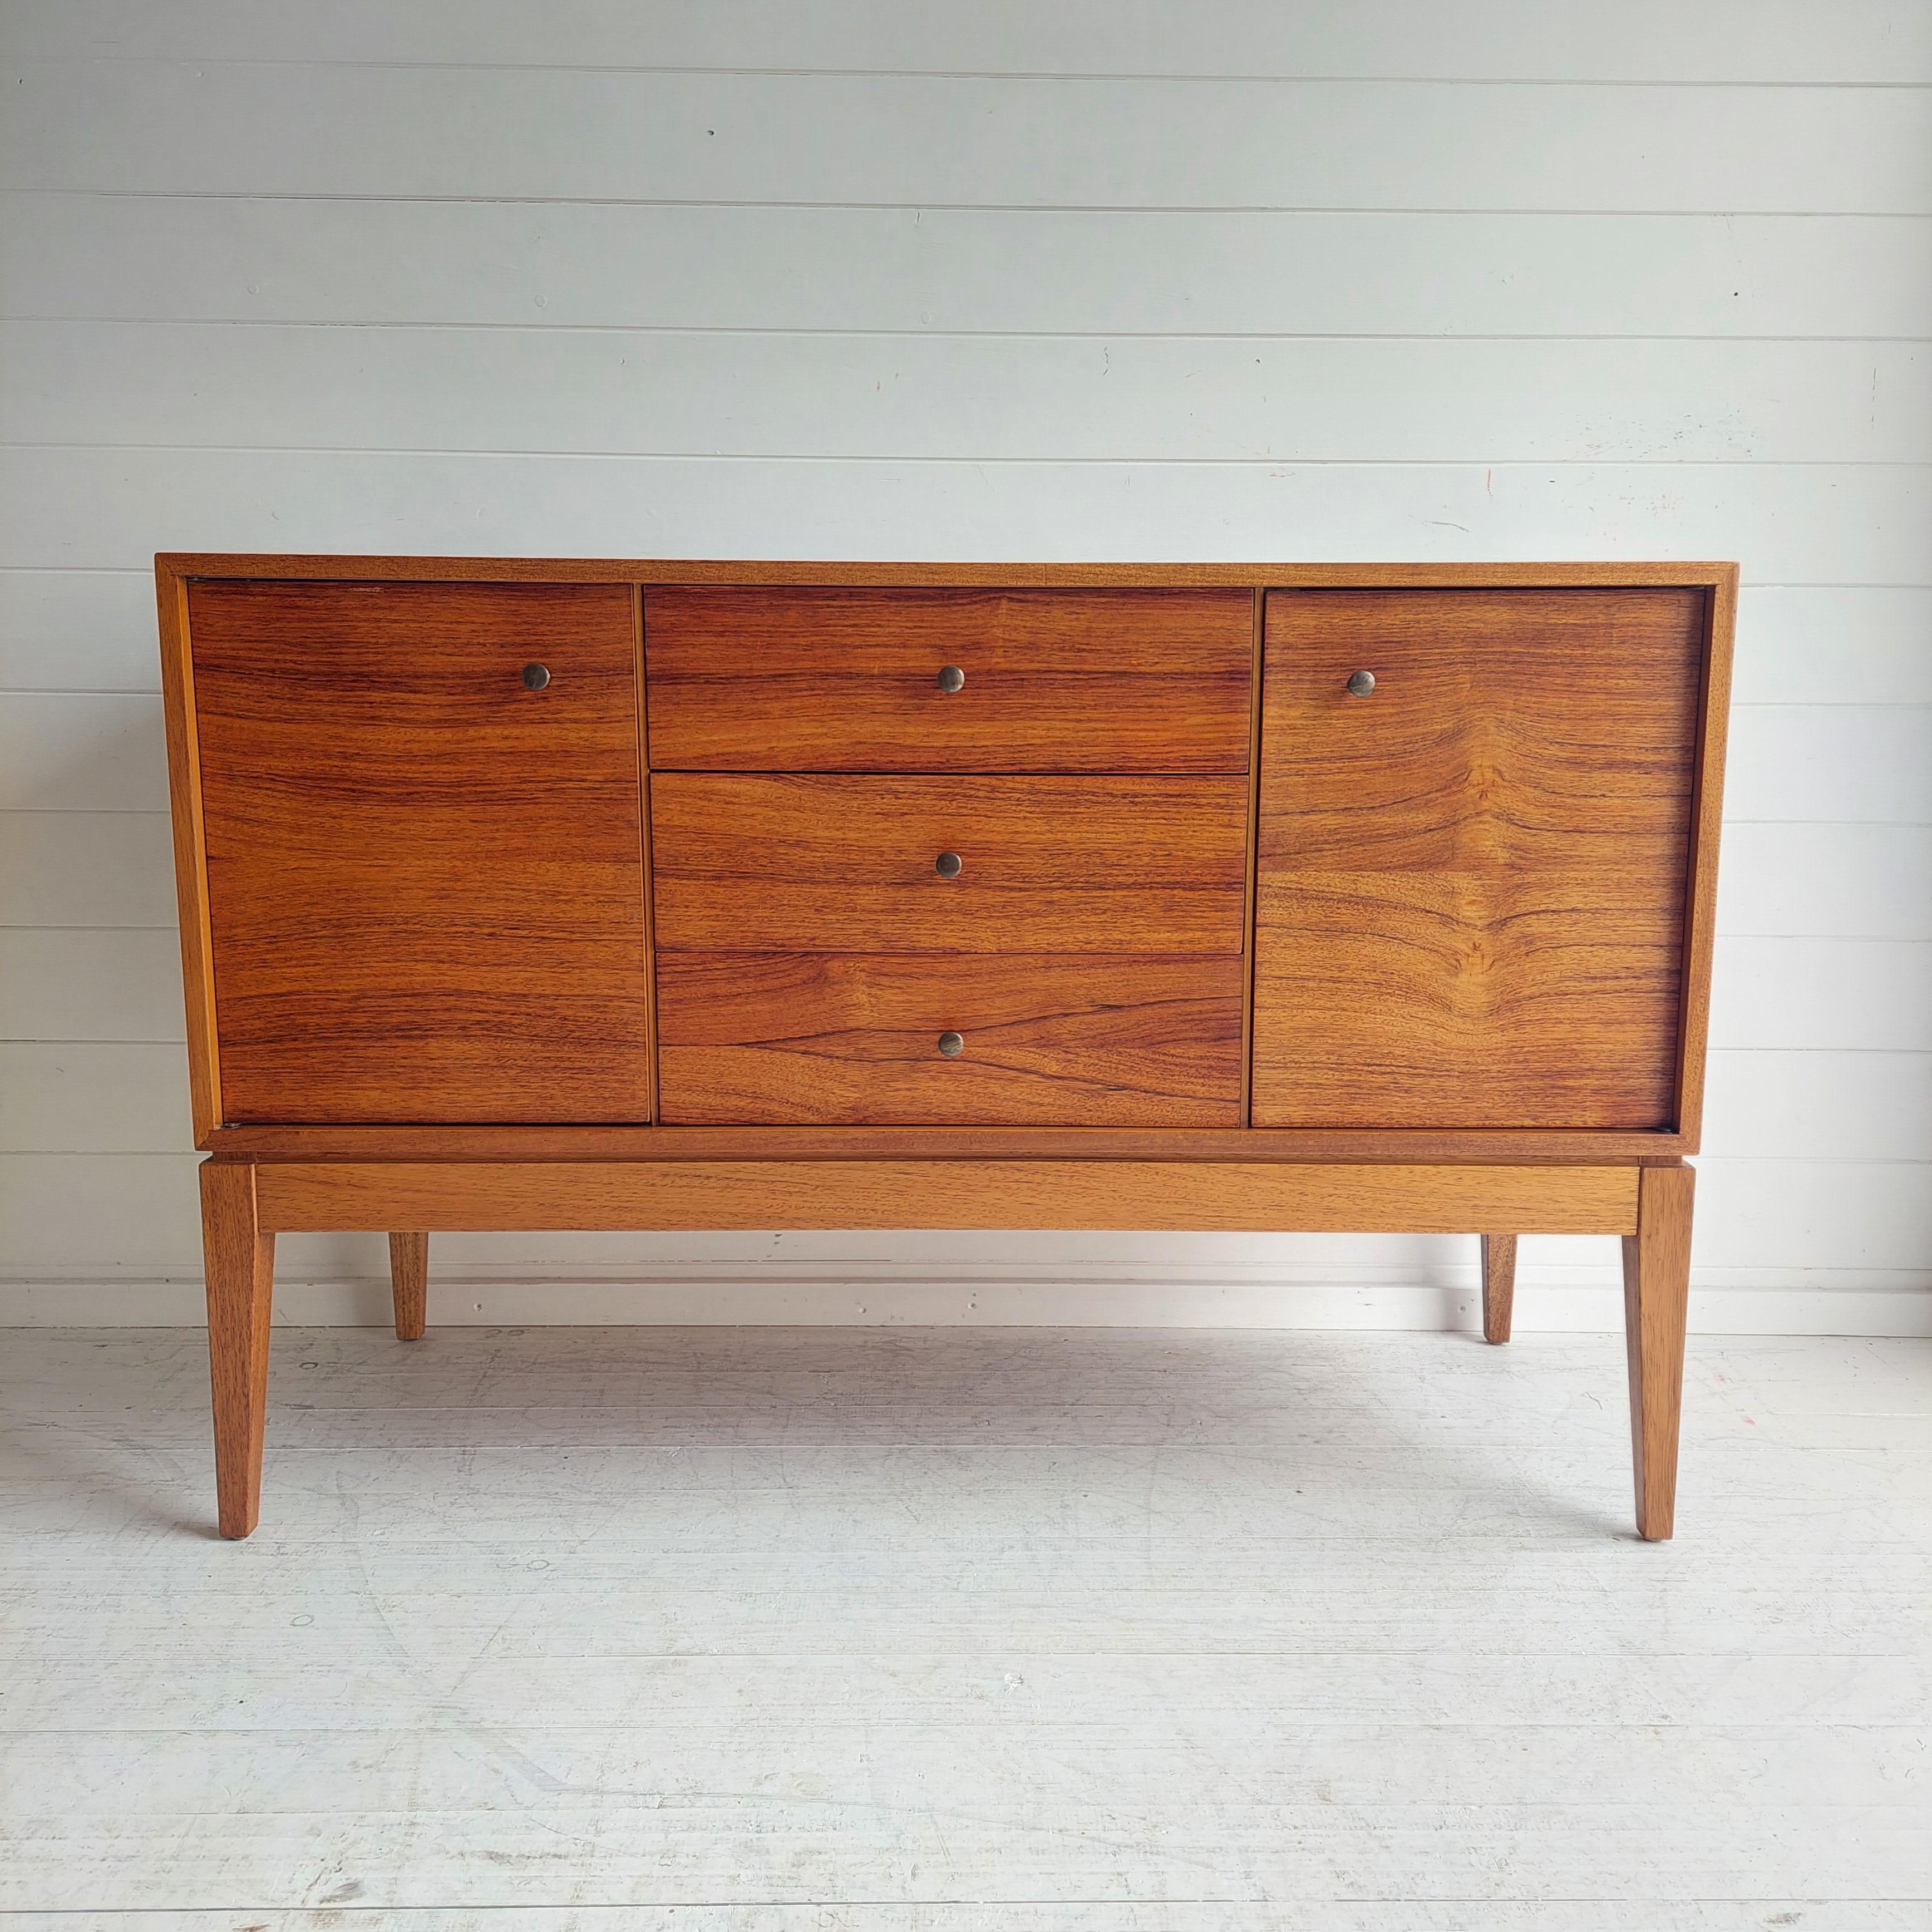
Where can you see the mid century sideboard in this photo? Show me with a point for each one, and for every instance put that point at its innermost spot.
(606, 894)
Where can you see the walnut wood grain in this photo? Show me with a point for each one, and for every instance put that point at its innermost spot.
(812, 1039)
(848, 864)
(425, 882)
(408, 1283)
(697, 1195)
(745, 678)
(1656, 1287)
(1472, 884)
(238, 1254)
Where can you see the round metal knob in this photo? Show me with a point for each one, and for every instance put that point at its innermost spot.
(952, 1045)
(951, 677)
(947, 865)
(535, 677)
(1361, 684)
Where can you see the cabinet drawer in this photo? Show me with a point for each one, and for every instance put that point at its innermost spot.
(821, 864)
(817, 679)
(856, 1040)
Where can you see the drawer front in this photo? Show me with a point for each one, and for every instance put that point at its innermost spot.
(791, 1038)
(816, 679)
(425, 879)
(822, 864)
(1470, 883)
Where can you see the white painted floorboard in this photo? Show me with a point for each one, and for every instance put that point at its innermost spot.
(1086, 1629)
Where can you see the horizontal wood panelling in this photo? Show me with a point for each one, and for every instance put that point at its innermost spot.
(1816, 523)
(1870, 762)
(84, 751)
(807, 1038)
(1292, 272)
(165, 126)
(1870, 994)
(1766, 1104)
(1849, 881)
(1835, 644)
(848, 679)
(59, 983)
(1523, 40)
(848, 864)
(111, 868)
(537, 388)
(78, 630)
(77, 1096)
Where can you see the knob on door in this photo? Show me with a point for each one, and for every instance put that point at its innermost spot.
(536, 676)
(1361, 684)
(947, 865)
(951, 678)
(952, 1045)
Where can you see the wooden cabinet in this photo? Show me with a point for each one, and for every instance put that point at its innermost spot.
(535, 895)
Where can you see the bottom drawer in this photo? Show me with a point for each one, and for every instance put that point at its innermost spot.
(933, 1039)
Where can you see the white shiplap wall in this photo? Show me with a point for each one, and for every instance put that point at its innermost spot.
(1505, 279)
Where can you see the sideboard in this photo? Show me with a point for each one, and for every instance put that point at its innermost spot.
(530, 895)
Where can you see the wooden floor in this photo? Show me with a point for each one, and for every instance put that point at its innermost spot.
(1097, 1631)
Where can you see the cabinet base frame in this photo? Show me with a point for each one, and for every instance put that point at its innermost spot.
(246, 1203)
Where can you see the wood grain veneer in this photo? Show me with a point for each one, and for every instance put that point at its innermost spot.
(425, 882)
(823, 864)
(1471, 882)
(753, 678)
(806, 1038)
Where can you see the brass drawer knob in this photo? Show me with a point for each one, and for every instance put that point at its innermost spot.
(947, 865)
(1361, 684)
(536, 676)
(951, 678)
(952, 1045)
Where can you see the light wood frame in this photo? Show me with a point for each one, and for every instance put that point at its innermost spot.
(263, 1179)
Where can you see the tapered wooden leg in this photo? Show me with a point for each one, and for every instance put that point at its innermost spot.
(1499, 1286)
(240, 1262)
(1657, 1285)
(409, 1276)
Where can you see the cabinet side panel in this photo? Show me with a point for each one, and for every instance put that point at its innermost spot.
(204, 1066)
(1472, 879)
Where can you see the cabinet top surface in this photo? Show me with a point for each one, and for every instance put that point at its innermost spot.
(1018, 575)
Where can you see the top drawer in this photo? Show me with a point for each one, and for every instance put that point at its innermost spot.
(818, 679)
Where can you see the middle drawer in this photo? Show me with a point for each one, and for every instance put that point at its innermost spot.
(834, 864)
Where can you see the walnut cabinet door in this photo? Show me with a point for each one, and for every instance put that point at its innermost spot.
(1471, 877)
(423, 814)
